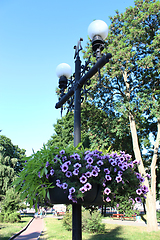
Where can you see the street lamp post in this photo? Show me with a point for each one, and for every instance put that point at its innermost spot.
(98, 31)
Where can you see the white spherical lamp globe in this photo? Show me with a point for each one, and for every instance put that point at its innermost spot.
(63, 69)
(98, 27)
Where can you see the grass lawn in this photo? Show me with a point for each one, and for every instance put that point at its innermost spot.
(54, 230)
(7, 230)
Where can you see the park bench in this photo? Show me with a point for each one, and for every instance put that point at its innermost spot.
(123, 217)
(118, 216)
(60, 213)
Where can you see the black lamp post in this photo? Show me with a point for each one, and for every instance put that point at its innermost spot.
(98, 31)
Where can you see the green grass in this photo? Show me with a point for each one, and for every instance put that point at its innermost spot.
(7, 230)
(54, 230)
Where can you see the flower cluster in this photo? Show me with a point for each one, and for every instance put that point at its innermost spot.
(76, 171)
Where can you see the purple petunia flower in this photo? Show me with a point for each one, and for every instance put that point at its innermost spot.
(70, 197)
(138, 199)
(120, 173)
(113, 155)
(122, 159)
(58, 156)
(139, 191)
(89, 166)
(75, 156)
(106, 170)
(145, 189)
(82, 189)
(120, 164)
(51, 172)
(88, 174)
(100, 163)
(58, 184)
(138, 175)
(39, 174)
(118, 178)
(47, 176)
(124, 167)
(107, 191)
(108, 177)
(83, 179)
(47, 164)
(77, 165)
(55, 160)
(64, 158)
(89, 160)
(64, 167)
(94, 173)
(130, 164)
(113, 163)
(136, 162)
(128, 157)
(87, 186)
(68, 174)
(64, 185)
(108, 199)
(96, 168)
(62, 152)
(75, 172)
(141, 179)
(68, 163)
(72, 190)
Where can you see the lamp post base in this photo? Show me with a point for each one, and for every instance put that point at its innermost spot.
(76, 222)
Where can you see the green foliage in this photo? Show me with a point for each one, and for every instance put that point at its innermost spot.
(130, 81)
(10, 163)
(97, 130)
(126, 206)
(90, 222)
(67, 221)
(9, 207)
(63, 129)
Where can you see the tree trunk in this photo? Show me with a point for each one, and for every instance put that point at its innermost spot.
(151, 195)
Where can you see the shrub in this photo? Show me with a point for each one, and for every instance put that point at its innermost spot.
(1, 217)
(67, 221)
(14, 217)
(91, 222)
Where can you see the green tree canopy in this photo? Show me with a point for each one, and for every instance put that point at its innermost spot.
(130, 85)
(10, 163)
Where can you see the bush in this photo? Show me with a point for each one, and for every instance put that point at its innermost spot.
(14, 217)
(11, 217)
(67, 221)
(90, 222)
(1, 217)
(158, 215)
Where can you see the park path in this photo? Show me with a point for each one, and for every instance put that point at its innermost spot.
(33, 231)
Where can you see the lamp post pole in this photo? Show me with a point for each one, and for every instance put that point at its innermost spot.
(76, 208)
(98, 31)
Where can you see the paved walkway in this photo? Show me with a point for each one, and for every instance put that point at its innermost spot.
(33, 231)
(35, 228)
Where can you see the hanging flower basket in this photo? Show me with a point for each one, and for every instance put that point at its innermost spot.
(60, 196)
(78, 176)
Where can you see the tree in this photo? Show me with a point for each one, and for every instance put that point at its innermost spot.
(130, 85)
(97, 130)
(10, 163)
(10, 206)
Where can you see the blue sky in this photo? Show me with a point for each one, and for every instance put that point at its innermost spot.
(36, 36)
